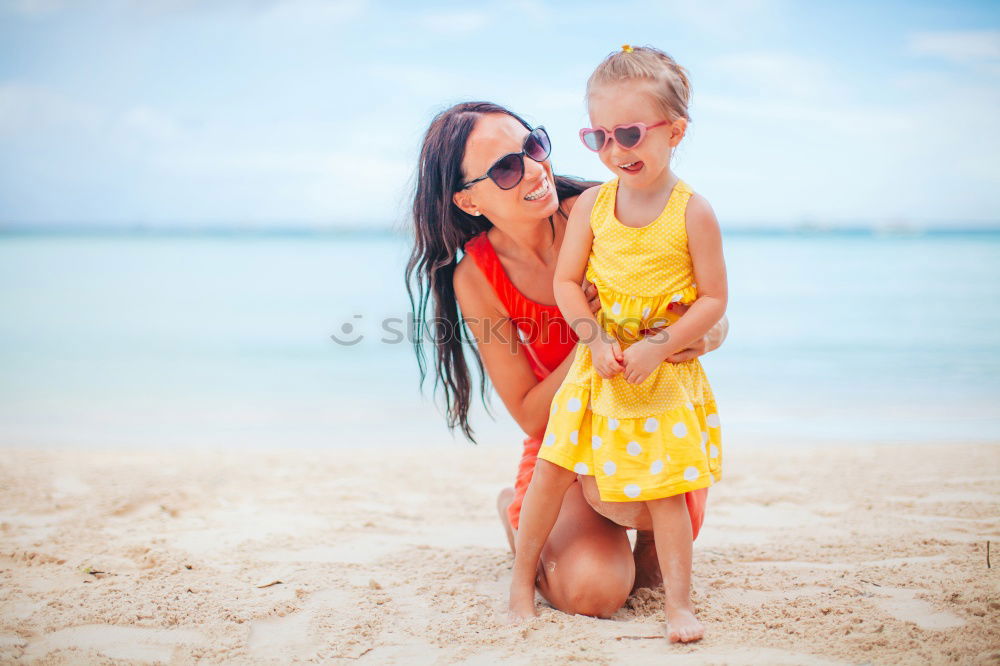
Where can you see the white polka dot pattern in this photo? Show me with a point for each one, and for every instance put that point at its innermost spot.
(662, 437)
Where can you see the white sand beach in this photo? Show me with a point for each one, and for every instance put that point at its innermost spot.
(809, 555)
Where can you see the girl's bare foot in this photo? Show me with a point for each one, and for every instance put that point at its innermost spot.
(682, 625)
(521, 605)
(647, 566)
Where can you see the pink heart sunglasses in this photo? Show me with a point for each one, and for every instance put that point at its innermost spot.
(627, 136)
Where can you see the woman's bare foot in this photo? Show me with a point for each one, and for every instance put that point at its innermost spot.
(504, 499)
(647, 566)
(682, 625)
(521, 605)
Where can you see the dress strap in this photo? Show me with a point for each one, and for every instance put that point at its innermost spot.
(485, 256)
(545, 335)
(604, 205)
(683, 192)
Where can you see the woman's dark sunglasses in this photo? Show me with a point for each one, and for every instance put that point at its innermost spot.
(508, 171)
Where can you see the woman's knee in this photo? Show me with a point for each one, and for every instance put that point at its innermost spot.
(595, 586)
(587, 565)
(599, 594)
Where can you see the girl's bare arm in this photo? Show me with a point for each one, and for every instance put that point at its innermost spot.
(709, 342)
(572, 266)
(705, 245)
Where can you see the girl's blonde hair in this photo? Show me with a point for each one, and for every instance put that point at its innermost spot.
(669, 81)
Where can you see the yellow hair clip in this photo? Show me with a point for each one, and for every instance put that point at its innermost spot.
(627, 48)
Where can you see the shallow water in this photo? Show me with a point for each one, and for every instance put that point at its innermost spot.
(138, 340)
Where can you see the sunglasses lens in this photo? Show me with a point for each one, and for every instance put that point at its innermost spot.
(537, 145)
(594, 139)
(627, 137)
(507, 172)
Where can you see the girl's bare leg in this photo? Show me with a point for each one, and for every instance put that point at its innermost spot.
(542, 503)
(672, 531)
(586, 564)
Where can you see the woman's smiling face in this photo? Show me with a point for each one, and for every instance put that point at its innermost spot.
(647, 163)
(496, 135)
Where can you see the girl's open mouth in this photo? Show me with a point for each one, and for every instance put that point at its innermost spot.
(631, 167)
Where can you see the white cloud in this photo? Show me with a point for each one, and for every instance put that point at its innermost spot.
(158, 168)
(848, 119)
(421, 81)
(454, 23)
(31, 7)
(963, 46)
(312, 12)
(293, 11)
(720, 18)
(926, 154)
(782, 75)
(152, 123)
(26, 108)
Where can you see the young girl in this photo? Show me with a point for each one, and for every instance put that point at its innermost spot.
(648, 431)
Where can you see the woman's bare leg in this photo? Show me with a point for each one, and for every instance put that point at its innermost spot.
(504, 499)
(586, 565)
(647, 565)
(672, 530)
(635, 515)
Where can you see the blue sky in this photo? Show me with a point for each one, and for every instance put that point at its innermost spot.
(303, 112)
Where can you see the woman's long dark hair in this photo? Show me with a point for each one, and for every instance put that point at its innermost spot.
(440, 230)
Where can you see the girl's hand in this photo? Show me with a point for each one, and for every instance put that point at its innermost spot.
(641, 359)
(590, 291)
(606, 357)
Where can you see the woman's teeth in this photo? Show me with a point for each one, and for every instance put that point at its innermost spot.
(538, 193)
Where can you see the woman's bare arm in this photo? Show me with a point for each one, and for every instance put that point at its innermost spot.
(506, 362)
(710, 342)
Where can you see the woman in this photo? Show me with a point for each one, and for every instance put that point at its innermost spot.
(485, 186)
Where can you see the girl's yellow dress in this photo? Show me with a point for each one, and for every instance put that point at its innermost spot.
(661, 437)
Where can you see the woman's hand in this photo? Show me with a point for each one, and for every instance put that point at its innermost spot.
(590, 291)
(696, 349)
(711, 340)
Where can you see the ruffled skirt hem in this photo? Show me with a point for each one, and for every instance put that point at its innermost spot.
(635, 459)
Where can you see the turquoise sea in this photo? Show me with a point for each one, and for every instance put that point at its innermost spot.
(224, 339)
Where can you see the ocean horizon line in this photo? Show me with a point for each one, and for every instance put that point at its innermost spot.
(383, 231)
